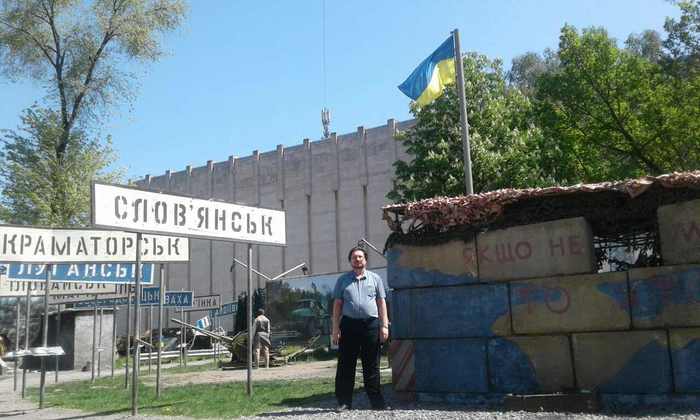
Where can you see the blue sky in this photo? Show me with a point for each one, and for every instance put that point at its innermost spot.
(247, 75)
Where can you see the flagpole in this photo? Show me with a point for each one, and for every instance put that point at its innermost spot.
(459, 69)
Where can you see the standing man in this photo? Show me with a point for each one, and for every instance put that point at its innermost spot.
(262, 338)
(360, 326)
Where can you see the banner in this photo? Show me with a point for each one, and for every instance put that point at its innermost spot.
(10, 288)
(135, 210)
(38, 245)
(118, 273)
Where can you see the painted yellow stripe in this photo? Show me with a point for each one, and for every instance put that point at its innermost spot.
(443, 75)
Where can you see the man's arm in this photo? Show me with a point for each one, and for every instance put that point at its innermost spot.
(337, 312)
(383, 320)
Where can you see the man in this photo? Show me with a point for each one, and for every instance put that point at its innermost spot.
(360, 326)
(262, 338)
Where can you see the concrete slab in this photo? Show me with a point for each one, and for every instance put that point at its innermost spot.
(589, 302)
(540, 250)
(679, 230)
(665, 296)
(685, 354)
(623, 362)
(453, 365)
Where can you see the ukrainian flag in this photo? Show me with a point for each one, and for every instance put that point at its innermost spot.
(428, 80)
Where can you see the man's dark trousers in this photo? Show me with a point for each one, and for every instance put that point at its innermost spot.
(358, 337)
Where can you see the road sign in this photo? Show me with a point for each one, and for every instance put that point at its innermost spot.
(203, 303)
(19, 288)
(226, 309)
(37, 245)
(136, 210)
(172, 300)
(118, 273)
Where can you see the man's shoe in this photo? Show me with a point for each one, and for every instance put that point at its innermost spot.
(343, 407)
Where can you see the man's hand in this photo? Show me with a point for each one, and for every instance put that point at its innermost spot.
(335, 336)
(383, 334)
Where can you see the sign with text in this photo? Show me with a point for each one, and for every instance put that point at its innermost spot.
(203, 303)
(229, 308)
(149, 297)
(9, 287)
(137, 210)
(118, 273)
(37, 245)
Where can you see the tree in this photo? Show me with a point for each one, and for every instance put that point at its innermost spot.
(683, 41)
(38, 189)
(609, 113)
(74, 48)
(502, 139)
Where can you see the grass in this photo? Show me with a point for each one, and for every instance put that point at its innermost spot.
(108, 395)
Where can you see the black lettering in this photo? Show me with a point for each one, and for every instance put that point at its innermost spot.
(220, 219)
(117, 200)
(179, 214)
(111, 246)
(267, 224)
(161, 212)
(203, 216)
(234, 224)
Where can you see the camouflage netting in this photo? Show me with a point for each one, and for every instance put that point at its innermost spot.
(620, 213)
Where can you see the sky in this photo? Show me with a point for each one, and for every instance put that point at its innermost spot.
(241, 76)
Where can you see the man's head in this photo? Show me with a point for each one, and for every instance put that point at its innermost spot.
(260, 312)
(358, 258)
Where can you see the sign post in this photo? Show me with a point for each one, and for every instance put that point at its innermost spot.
(58, 337)
(45, 338)
(114, 336)
(99, 346)
(19, 309)
(128, 338)
(137, 326)
(94, 341)
(26, 341)
(249, 384)
(160, 327)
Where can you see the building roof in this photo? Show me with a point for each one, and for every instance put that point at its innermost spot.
(609, 206)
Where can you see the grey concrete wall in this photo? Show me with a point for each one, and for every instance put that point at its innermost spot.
(332, 191)
(82, 345)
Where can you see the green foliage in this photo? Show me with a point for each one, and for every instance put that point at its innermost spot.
(40, 189)
(501, 137)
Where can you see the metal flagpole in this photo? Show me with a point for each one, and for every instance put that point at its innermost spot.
(137, 326)
(58, 338)
(128, 335)
(94, 341)
(26, 338)
(459, 69)
(250, 321)
(99, 345)
(114, 335)
(45, 341)
(17, 327)
(160, 326)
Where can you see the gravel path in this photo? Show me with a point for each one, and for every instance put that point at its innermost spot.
(13, 407)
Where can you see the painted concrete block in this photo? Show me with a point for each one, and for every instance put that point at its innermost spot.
(685, 354)
(589, 302)
(528, 365)
(454, 365)
(447, 312)
(539, 250)
(636, 403)
(447, 264)
(665, 296)
(679, 229)
(623, 362)
(403, 365)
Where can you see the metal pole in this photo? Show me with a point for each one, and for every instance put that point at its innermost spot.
(150, 333)
(459, 67)
(184, 337)
(17, 326)
(114, 335)
(249, 384)
(128, 336)
(160, 326)
(99, 345)
(45, 338)
(94, 341)
(137, 326)
(26, 338)
(58, 339)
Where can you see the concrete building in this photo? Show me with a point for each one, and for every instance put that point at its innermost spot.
(332, 191)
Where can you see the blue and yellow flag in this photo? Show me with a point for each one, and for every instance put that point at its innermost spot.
(428, 80)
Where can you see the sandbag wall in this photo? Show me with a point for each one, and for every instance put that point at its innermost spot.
(522, 311)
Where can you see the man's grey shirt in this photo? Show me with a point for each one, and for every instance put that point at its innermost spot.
(359, 295)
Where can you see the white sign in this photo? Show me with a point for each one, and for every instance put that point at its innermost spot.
(35, 245)
(19, 288)
(136, 210)
(202, 303)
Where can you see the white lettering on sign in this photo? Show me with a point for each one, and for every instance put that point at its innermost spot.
(144, 211)
(33, 245)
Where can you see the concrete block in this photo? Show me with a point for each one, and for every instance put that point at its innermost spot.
(665, 296)
(450, 312)
(623, 362)
(589, 302)
(447, 264)
(679, 229)
(403, 365)
(527, 365)
(539, 250)
(639, 403)
(685, 354)
(553, 403)
(454, 365)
